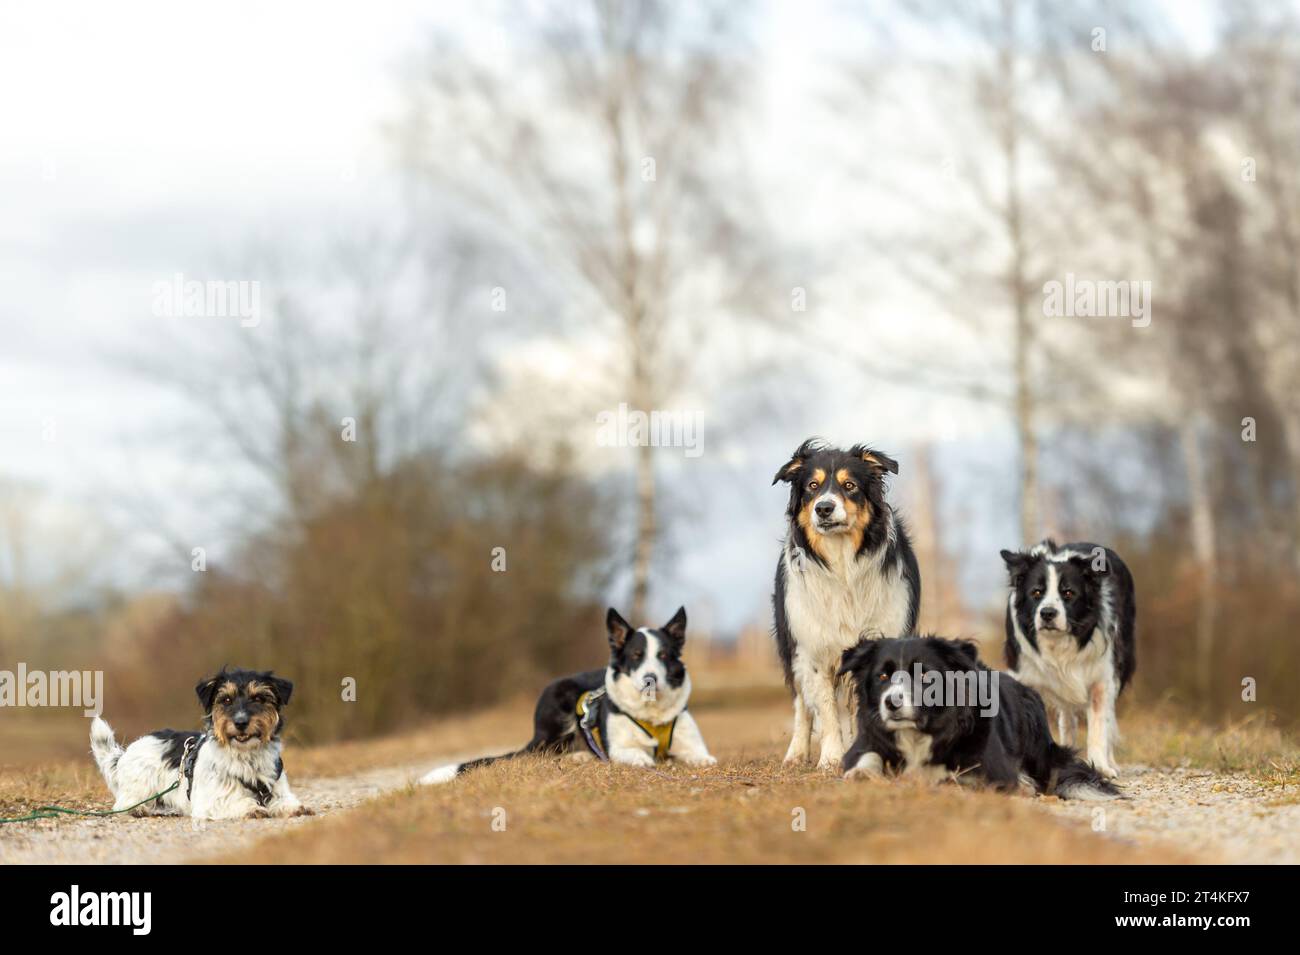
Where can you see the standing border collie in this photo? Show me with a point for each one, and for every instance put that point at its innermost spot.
(846, 571)
(632, 712)
(231, 769)
(1071, 617)
(927, 707)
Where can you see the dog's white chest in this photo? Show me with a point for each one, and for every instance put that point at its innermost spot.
(829, 608)
(916, 749)
(1061, 670)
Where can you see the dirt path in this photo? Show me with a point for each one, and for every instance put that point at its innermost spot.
(1219, 817)
(168, 839)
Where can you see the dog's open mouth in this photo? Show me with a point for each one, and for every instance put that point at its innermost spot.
(829, 527)
(244, 737)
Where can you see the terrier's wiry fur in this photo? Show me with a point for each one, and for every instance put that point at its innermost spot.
(237, 767)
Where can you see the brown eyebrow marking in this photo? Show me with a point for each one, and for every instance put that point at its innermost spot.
(819, 475)
(842, 475)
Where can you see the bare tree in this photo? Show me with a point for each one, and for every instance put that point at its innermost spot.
(980, 256)
(358, 362)
(598, 150)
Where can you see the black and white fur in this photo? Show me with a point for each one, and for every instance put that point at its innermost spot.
(242, 756)
(846, 570)
(1070, 634)
(645, 679)
(900, 730)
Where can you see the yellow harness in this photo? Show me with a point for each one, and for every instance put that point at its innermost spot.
(661, 733)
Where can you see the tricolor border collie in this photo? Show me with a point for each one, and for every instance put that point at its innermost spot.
(1070, 634)
(846, 571)
(632, 712)
(928, 708)
(231, 769)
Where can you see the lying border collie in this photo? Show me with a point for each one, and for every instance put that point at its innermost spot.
(846, 570)
(927, 707)
(631, 712)
(1071, 617)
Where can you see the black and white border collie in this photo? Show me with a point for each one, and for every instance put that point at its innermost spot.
(634, 709)
(846, 570)
(928, 708)
(1070, 634)
(232, 767)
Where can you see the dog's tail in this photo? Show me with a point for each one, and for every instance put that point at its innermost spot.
(1075, 779)
(104, 747)
(445, 774)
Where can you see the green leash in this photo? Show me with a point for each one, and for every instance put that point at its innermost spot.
(53, 812)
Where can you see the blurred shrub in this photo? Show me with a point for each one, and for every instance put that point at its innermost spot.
(395, 588)
(1257, 604)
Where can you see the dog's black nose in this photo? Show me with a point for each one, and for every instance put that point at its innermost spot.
(892, 702)
(241, 722)
(825, 509)
(1047, 613)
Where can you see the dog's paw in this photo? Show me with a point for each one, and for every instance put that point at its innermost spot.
(795, 754)
(830, 761)
(633, 757)
(1106, 769)
(858, 774)
(581, 756)
(705, 760)
(869, 767)
(258, 813)
(303, 811)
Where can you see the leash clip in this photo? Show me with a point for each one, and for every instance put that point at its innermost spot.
(185, 758)
(588, 722)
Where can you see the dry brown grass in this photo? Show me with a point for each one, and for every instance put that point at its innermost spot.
(741, 811)
(76, 785)
(1255, 745)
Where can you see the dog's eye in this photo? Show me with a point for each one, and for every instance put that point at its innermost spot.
(1068, 594)
(850, 486)
(225, 701)
(884, 677)
(1036, 592)
(813, 485)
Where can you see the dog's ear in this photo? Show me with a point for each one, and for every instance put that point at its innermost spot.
(676, 627)
(790, 470)
(859, 658)
(1017, 564)
(1094, 564)
(207, 689)
(281, 687)
(618, 628)
(963, 653)
(878, 461)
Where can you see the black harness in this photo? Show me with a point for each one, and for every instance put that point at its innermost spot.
(588, 712)
(260, 790)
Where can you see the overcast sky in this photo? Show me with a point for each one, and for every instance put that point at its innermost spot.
(145, 139)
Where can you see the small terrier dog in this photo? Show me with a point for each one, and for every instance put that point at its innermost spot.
(231, 769)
